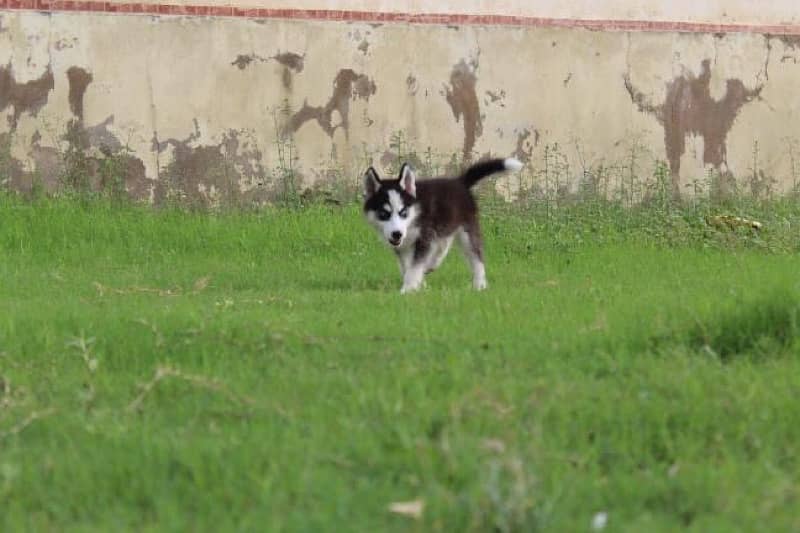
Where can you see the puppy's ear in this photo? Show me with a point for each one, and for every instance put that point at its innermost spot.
(371, 182)
(408, 179)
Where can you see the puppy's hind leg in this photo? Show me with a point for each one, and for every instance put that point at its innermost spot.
(442, 249)
(469, 237)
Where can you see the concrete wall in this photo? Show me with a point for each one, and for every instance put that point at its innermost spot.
(216, 108)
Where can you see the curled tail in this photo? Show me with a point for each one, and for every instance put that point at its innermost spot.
(478, 171)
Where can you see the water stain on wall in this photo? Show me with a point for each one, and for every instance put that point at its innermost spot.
(49, 164)
(28, 97)
(348, 85)
(291, 62)
(690, 109)
(79, 80)
(101, 136)
(13, 174)
(361, 39)
(495, 97)
(789, 41)
(463, 100)
(202, 173)
(243, 61)
(411, 84)
(114, 164)
(525, 145)
(791, 47)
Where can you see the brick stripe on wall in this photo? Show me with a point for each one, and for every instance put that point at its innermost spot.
(93, 6)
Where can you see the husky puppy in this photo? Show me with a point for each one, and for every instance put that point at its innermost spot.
(419, 220)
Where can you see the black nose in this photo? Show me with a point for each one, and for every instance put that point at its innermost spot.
(396, 235)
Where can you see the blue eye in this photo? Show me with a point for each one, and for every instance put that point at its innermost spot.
(403, 212)
(384, 215)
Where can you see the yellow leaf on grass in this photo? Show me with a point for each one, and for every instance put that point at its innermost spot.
(494, 445)
(411, 509)
(201, 283)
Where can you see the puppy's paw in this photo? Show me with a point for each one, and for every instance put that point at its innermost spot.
(407, 289)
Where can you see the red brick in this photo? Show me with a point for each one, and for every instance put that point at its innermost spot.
(459, 19)
(277, 13)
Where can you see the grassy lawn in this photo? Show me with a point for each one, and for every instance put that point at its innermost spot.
(164, 370)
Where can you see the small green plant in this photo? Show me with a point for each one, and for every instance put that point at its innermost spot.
(78, 167)
(794, 169)
(6, 160)
(403, 150)
(287, 169)
(111, 173)
(660, 190)
(762, 187)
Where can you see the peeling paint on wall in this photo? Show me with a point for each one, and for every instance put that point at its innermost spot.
(94, 153)
(524, 149)
(28, 97)
(13, 175)
(463, 100)
(689, 109)
(347, 86)
(789, 41)
(79, 79)
(290, 61)
(203, 174)
(243, 61)
(101, 136)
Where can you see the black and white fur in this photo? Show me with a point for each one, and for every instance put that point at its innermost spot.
(419, 220)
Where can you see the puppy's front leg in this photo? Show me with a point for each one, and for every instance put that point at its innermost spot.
(414, 274)
(413, 278)
(403, 261)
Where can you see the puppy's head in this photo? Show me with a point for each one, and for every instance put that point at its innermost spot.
(391, 205)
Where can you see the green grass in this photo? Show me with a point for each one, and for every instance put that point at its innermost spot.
(634, 362)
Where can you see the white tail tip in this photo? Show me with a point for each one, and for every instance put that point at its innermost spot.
(513, 164)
